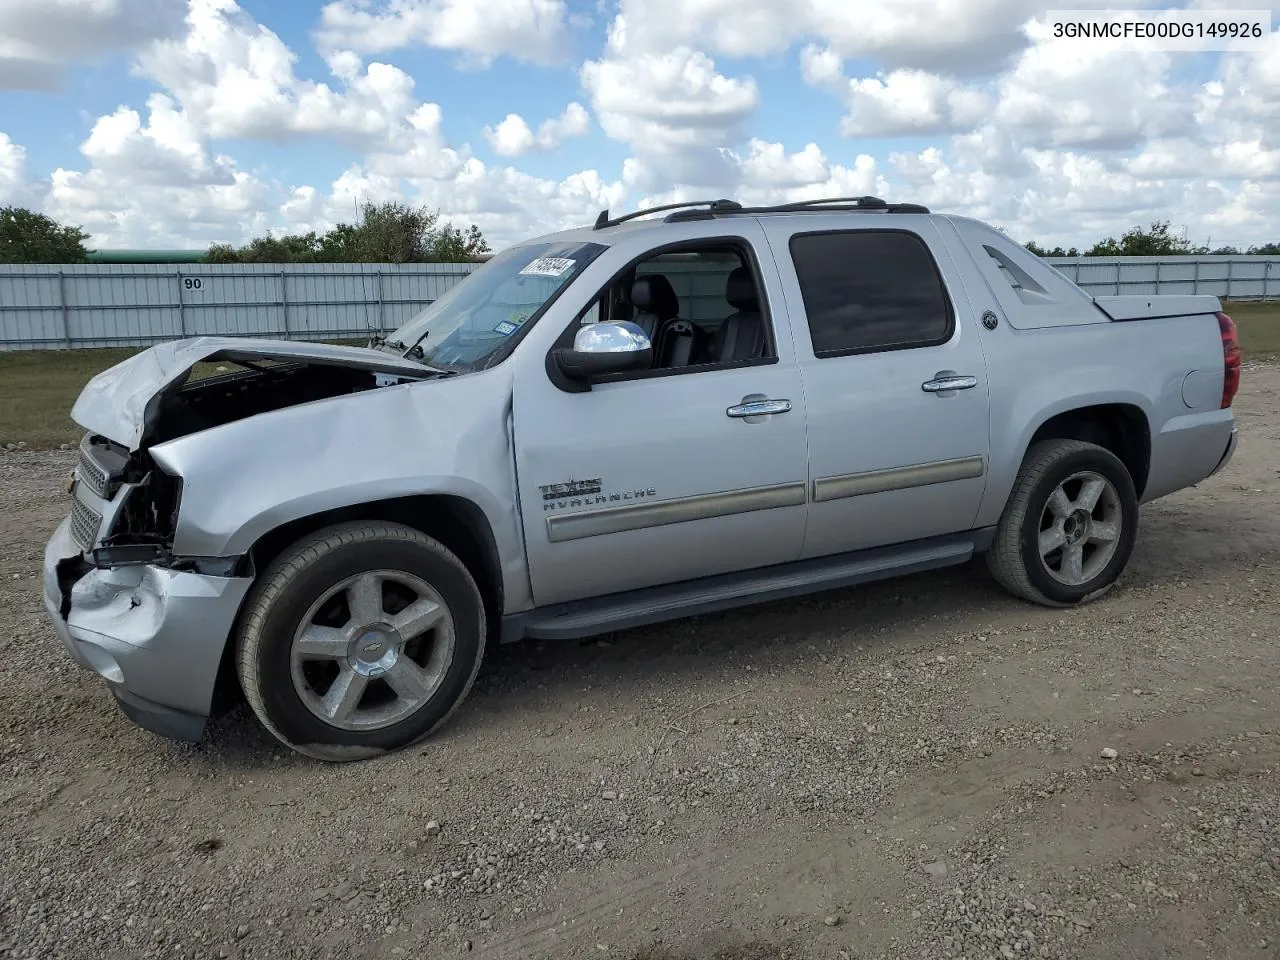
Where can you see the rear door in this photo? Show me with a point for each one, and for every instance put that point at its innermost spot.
(894, 375)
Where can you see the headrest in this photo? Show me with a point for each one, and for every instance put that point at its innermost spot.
(653, 293)
(740, 291)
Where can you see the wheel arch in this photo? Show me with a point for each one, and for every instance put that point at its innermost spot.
(459, 524)
(1120, 427)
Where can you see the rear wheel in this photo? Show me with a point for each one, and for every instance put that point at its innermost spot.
(359, 640)
(1068, 530)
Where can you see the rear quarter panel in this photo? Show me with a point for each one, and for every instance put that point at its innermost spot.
(1038, 374)
(1053, 354)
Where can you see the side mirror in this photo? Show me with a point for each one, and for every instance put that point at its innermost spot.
(602, 348)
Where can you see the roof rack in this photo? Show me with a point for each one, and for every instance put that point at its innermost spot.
(603, 220)
(824, 205)
(710, 209)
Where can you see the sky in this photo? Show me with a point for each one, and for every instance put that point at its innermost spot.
(179, 123)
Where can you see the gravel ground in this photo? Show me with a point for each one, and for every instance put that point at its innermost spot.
(921, 768)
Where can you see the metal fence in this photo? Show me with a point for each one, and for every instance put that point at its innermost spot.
(116, 305)
(1231, 278)
(109, 305)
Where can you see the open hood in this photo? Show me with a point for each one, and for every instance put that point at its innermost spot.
(115, 403)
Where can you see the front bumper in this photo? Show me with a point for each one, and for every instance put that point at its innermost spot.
(155, 635)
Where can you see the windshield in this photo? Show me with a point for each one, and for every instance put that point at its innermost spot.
(469, 327)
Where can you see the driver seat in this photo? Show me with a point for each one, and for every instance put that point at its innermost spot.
(655, 303)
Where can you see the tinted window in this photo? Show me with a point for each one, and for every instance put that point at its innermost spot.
(870, 290)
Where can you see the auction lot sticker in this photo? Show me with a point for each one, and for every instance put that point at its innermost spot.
(547, 267)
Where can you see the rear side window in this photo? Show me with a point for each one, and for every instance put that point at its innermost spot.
(870, 290)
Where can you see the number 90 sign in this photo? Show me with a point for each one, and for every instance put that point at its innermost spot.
(192, 283)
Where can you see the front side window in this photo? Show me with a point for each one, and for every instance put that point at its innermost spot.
(472, 326)
(701, 305)
(870, 290)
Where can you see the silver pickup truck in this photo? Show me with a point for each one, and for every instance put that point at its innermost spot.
(653, 417)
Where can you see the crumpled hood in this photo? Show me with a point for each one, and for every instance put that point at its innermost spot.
(114, 403)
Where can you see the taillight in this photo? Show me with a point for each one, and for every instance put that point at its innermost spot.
(1230, 359)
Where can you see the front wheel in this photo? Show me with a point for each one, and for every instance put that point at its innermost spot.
(1068, 530)
(359, 640)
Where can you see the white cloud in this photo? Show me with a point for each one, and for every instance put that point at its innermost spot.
(1188, 158)
(38, 38)
(13, 170)
(1057, 93)
(165, 151)
(418, 150)
(1064, 93)
(118, 213)
(814, 181)
(674, 109)
(901, 102)
(768, 174)
(513, 137)
(822, 67)
(155, 183)
(532, 31)
(944, 36)
(994, 151)
(236, 78)
(910, 102)
(1067, 198)
(1060, 142)
(1241, 216)
(1245, 97)
(675, 97)
(507, 204)
(769, 165)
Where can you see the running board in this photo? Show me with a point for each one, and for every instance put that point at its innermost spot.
(623, 611)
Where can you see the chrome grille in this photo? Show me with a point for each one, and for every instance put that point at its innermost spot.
(84, 524)
(92, 475)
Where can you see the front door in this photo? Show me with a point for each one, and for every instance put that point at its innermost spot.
(898, 411)
(659, 477)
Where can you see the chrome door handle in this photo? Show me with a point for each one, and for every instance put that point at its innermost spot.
(758, 408)
(947, 384)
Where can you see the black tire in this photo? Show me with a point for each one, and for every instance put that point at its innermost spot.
(300, 576)
(1015, 559)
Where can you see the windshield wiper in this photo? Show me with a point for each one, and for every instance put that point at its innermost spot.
(411, 352)
(415, 346)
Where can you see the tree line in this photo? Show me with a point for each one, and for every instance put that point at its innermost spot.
(1156, 241)
(394, 232)
(388, 232)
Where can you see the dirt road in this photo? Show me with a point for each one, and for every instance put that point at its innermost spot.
(913, 769)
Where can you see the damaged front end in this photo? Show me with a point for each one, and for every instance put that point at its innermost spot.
(147, 618)
(128, 510)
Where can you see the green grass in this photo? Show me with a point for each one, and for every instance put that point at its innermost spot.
(38, 387)
(1259, 327)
